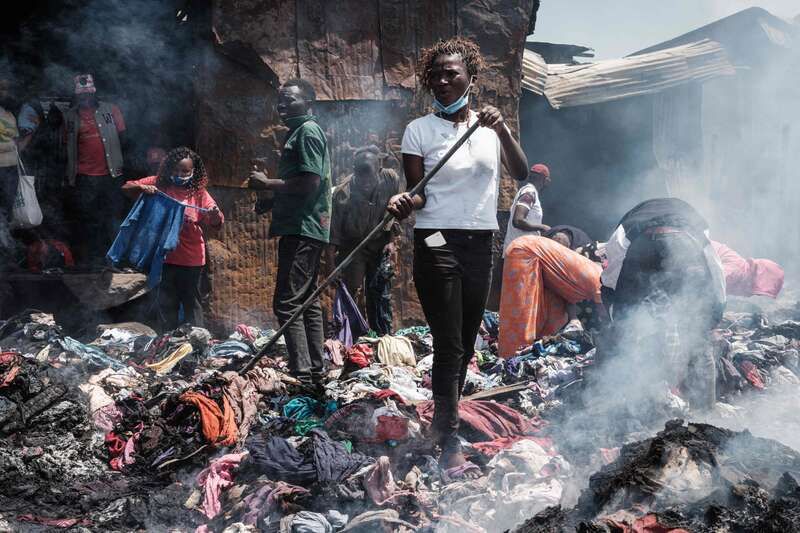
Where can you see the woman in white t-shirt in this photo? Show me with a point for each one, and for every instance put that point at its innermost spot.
(455, 221)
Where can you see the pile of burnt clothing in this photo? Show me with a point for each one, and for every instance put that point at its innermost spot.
(316, 461)
(50, 456)
(157, 433)
(755, 353)
(29, 332)
(689, 477)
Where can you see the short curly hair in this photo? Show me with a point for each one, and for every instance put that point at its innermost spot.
(200, 177)
(466, 48)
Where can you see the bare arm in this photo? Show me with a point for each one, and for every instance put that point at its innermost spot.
(519, 222)
(304, 183)
(401, 205)
(133, 190)
(511, 150)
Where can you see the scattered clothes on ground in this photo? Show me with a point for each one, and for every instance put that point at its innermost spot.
(102, 425)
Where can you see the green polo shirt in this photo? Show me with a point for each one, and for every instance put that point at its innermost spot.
(309, 215)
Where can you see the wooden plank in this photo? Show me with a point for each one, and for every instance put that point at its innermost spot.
(500, 391)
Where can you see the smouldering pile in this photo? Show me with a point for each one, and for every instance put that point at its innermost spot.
(133, 430)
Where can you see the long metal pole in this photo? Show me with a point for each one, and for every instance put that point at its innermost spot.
(347, 260)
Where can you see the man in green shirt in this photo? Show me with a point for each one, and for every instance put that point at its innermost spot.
(301, 218)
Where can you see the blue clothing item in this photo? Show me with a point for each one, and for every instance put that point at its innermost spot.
(348, 319)
(88, 353)
(150, 231)
(455, 106)
(300, 408)
(491, 321)
(230, 348)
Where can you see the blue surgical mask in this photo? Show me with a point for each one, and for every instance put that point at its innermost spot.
(455, 106)
(182, 181)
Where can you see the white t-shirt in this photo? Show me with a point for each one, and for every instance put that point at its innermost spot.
(463, 194)
(527, 195)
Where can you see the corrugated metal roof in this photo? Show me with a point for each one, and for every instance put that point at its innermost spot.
(604, 81)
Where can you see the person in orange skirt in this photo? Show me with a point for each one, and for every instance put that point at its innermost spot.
(542, 279)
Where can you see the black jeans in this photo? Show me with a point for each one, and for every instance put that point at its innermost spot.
(452, 283)
(9, 178)
(361, 273)
(298, 268)
(663, 298)
(180, 285)
(98, 204)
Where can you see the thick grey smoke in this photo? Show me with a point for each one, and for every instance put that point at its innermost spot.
(140, 53)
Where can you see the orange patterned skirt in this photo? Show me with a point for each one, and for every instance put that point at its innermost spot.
(540, 278)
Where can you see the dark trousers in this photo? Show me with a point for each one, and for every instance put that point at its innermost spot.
(180, 286)
(379, 292)
(298, 268)
(361, 274)
(9, 178)
(98, 206)
(663, 296)
(452, 283)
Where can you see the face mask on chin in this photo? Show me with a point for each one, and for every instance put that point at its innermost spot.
(455, 106)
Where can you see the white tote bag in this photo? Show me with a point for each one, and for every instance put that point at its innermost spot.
(26, 212)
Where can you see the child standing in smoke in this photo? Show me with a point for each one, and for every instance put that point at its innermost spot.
(455, 221)
(182, 176)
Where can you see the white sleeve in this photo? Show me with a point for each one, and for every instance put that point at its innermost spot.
(412, 142)
(616, 249)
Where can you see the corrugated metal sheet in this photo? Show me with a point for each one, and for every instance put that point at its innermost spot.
(534, 72)
(360, 56)
(615, 79)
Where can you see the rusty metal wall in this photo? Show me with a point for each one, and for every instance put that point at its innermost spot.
(361, 58)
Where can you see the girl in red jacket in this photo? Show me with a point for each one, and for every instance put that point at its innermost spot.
(183, 177)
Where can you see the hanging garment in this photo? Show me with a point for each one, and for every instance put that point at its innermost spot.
(149, 232)
(540, 278)
(349, 320)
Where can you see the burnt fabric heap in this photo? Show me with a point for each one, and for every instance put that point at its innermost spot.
(731, 482)
(129, 430)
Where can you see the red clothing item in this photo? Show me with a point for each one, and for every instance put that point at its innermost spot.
(91, 153)
(360, 354)
(492, 419)
(39, 251)
(749, 277)
(191, 250)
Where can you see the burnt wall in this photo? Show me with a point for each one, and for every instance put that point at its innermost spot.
(361, 58)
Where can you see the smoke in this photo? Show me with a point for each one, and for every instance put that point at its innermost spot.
(139, 52)
(770, 414)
